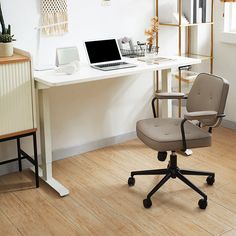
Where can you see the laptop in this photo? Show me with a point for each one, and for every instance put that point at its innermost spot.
(105, 55)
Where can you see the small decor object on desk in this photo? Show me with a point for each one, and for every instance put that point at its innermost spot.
(128, 49)
(151, 49)
(67, 60)
(126, 46)
(6, 38)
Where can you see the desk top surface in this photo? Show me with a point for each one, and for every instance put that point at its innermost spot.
(51, 78)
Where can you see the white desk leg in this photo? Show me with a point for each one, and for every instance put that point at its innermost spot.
(46, 144)
(166, 87)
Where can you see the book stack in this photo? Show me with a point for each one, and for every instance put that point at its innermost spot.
(197, 11)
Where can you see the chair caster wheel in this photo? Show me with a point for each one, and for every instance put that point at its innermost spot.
(202, 203)
(131, 181)
(162, 156)
(210, 180)
(147, 203)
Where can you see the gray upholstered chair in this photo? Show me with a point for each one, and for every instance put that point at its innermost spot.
(205, 103)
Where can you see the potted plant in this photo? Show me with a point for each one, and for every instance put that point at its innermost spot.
(151, 34)
(6, 38)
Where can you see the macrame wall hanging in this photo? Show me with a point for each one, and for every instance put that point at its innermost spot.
(54, 17)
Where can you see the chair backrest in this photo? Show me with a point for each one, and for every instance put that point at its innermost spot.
(208, 93)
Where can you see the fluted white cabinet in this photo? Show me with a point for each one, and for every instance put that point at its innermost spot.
(17, 106)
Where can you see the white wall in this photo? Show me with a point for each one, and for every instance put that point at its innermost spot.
(92, 111)
(224, 64)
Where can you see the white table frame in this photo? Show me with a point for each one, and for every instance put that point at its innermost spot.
(48, 79)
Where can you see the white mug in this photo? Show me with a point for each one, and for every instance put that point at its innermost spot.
(68, 69)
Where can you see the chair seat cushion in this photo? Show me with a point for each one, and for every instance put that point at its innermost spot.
(165, 134)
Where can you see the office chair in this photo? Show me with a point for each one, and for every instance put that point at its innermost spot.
(205, 103)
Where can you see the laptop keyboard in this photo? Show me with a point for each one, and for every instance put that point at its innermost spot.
(112, 64)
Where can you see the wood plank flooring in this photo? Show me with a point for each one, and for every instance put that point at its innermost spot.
(101, 203)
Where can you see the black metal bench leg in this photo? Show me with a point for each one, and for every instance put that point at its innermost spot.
(19, 154)
(36, 160)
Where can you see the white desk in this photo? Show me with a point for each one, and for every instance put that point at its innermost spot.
(47, 79)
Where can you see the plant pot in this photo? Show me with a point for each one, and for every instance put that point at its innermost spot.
(150, 54)
(6, 49)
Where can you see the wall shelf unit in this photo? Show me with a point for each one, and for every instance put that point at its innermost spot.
(188, 32)
(187, 28)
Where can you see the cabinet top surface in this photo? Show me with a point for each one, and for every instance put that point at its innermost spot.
(16, 58)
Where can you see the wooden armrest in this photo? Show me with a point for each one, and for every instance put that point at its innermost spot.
(200, 115)
(166, 95)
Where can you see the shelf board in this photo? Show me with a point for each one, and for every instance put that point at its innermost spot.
(185, 25)
(198, 56)
(16, 58)
(187, 76)
(11, 135)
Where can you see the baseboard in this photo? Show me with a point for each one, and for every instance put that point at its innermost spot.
(229, 124)
(73, 151)
(68, 152)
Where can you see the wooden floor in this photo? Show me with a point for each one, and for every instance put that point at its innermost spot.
(101, 203)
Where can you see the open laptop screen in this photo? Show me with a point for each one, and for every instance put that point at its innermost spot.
(102, 51)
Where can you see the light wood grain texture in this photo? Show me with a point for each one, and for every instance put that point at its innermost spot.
(230, 233)
(16, 58)
(18, 133)
(101, 203)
